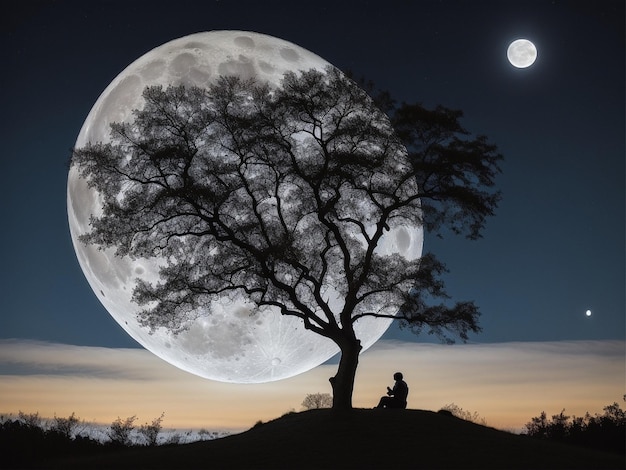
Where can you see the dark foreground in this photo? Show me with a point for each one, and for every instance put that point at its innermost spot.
(370, 439)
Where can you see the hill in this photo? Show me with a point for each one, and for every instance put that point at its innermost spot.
(370, 439)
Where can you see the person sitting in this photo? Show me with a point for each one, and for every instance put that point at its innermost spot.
(396, 396)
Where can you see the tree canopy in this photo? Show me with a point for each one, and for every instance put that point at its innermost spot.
(285, 195)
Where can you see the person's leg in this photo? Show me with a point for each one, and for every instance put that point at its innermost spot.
(396, 404)
(384, 402)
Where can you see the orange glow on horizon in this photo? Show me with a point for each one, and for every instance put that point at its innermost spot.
(506, 384)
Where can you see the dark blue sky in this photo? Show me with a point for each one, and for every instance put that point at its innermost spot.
(556, 246)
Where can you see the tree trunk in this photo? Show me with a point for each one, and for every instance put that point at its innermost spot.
(343, 382)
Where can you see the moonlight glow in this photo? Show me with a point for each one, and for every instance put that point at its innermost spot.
(522, 53)
(588, 313)
(232, 344)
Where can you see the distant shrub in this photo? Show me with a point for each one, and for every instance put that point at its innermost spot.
(603, 431)
(210, 435)
(30, 420)
(150, 432)
(174, 439)
(26, 443)
(315, 401)
(120, 431)
(459, 412)
(66, 427)
(204, 434)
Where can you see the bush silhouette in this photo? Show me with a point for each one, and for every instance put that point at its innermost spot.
(603, 432)
(455, 410)
(65, 426)
(120, 431)
(25, 442)
(150, 432)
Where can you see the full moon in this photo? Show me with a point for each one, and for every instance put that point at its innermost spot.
(588, 313)
(522, 53)
(231, 344)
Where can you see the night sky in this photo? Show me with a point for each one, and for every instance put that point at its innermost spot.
(556, 245)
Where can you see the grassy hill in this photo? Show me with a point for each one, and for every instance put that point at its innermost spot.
(370, 439)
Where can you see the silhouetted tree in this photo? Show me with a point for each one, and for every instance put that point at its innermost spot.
(280, 193)
(603, 431)
(314, 401)
(538, 426)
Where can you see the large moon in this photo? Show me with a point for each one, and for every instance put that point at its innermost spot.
(232, 344)
(522, 53)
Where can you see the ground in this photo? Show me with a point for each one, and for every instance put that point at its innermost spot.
(371, 439)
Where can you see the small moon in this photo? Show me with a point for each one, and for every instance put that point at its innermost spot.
(588, 313)
(522, 53)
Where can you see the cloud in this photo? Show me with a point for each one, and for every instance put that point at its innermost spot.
(506, 383)
(24, 358)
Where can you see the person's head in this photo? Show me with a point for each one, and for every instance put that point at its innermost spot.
(397, 376)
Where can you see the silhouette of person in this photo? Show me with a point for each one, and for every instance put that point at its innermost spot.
(396, 396)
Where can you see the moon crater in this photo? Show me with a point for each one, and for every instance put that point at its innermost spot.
(182, 64)
(241, 67)
(153, 70)
(289, 54)
(245, 42)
